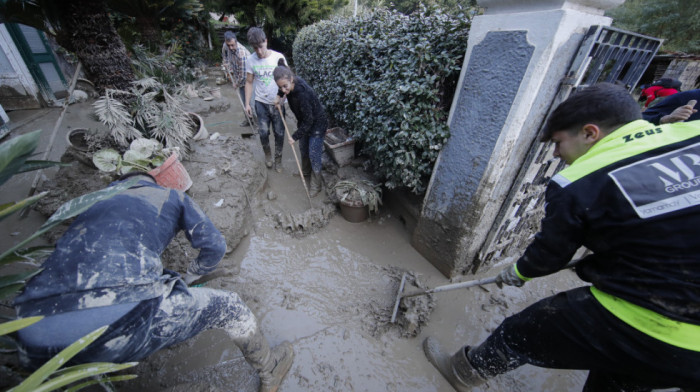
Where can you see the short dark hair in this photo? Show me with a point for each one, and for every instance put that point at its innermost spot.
(256, 36)
(604, 104)
(229, 35)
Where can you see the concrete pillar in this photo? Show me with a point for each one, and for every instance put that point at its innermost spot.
(518, 52)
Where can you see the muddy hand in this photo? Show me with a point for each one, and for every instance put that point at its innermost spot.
(682, 113)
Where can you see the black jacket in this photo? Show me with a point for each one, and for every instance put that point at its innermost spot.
(634, 200)
(311, 117)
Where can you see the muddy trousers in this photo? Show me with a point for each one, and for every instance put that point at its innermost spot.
(571, 330)
(163, 322)
(311, 149)
(269, 116)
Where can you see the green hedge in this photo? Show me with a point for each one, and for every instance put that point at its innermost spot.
(388, 79)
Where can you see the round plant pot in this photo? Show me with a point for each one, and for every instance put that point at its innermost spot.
(171, 174)
(354, 213)
(76, 139)
(200, 131)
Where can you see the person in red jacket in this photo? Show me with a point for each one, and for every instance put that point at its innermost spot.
(659, 89)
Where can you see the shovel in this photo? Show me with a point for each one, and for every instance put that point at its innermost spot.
(447, 287)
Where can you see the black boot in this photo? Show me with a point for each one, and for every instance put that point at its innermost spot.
(268, 156)
(272, 364)
(316, 184)
(455, 369)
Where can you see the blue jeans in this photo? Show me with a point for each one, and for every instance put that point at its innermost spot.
(312, 148)
(269, 115)
(156, 324)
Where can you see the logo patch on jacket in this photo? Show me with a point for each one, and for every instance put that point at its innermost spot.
(661, 184)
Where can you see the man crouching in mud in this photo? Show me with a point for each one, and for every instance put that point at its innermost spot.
(106, 270)
(631, 195)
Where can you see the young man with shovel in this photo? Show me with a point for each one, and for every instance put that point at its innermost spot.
(106, 270)
(259, 78)
(632, 196)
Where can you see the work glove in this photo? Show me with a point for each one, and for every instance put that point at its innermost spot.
(510, 277)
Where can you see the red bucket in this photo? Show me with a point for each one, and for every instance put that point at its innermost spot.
(171, 174)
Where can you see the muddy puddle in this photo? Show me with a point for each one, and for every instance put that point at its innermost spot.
(327, 287)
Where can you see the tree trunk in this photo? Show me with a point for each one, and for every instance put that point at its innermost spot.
(97, 44)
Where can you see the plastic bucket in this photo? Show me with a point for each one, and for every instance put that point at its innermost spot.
(171, 174)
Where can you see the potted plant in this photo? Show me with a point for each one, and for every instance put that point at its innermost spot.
(146, 155)
(146, 110)
(358, 198)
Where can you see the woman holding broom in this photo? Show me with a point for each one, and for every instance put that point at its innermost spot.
(311, 122)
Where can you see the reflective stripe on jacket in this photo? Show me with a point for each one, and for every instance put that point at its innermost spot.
(634, 200)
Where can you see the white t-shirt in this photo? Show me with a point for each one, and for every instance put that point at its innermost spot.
(263, 82)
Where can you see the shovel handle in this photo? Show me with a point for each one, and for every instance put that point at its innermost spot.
(453, 286)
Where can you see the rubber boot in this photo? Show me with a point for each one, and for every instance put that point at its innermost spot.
(456, 369)
(305, 167)
(272, 364)
(278, 162)
(316, 184)
(268, 156)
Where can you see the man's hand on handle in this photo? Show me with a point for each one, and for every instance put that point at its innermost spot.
(509, 277)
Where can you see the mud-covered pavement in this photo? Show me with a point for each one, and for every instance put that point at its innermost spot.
(329, 291)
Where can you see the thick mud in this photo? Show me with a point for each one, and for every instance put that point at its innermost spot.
(312, 278)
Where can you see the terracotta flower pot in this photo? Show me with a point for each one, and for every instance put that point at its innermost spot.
(171, 174)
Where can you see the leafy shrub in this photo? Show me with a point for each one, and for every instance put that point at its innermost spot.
(389, 79)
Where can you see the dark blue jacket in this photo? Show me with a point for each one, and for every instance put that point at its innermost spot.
(111, 253)
(668, 105)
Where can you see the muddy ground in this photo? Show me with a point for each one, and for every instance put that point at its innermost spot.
(325, 284)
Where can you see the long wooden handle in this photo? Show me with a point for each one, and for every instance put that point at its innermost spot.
(296, 158)
(237, 93)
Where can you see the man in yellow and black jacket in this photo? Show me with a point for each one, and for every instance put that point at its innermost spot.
(632, 196)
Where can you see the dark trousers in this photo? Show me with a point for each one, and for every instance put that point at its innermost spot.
(268, 115)
(312, 148)
(571, 330)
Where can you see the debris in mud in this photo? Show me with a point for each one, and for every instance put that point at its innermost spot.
(305, 223)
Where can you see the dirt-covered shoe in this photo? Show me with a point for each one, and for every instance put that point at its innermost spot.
(281, 357)
(268, 156)
(455, 369)
(316, 184)
(278, 163)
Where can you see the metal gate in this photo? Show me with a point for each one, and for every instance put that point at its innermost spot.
(606, 54)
